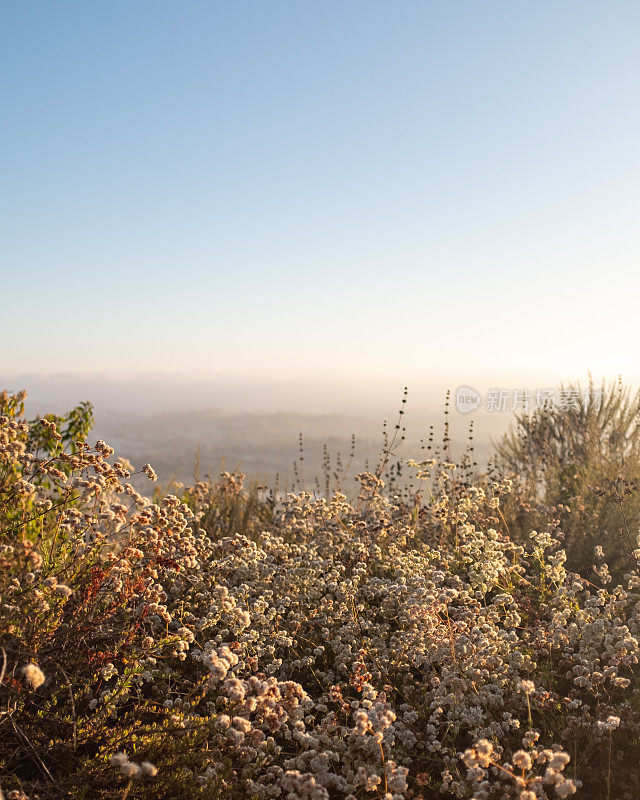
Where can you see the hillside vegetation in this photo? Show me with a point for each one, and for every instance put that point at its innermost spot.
(447, 633)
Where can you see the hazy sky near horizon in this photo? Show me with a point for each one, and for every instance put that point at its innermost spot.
(287, 187)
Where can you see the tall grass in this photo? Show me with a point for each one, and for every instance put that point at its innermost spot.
(577, 467)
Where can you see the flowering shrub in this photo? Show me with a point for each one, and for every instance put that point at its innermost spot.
(327, 649)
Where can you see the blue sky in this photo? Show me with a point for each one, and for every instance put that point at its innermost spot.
(288, 187)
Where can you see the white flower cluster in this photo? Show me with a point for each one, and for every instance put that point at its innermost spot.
(130, 769)
(33, 676)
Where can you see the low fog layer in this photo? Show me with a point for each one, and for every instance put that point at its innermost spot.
(190, 427)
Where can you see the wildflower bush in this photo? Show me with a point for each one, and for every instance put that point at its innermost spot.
(217, 645)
